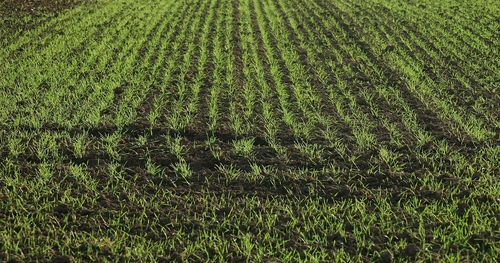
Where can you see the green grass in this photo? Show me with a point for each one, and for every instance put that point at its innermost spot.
(250, 130)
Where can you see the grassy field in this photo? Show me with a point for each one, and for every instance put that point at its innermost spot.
(250, 130)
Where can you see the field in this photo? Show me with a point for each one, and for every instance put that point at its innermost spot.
(250, 130)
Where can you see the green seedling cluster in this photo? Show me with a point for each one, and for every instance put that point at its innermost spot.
(250, 131)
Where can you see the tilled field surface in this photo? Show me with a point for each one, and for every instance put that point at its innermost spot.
(249, 130)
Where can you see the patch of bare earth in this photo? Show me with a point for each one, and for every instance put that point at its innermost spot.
(20, 15)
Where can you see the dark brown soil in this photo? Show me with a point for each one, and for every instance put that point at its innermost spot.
(36, 6)
(21, 15)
